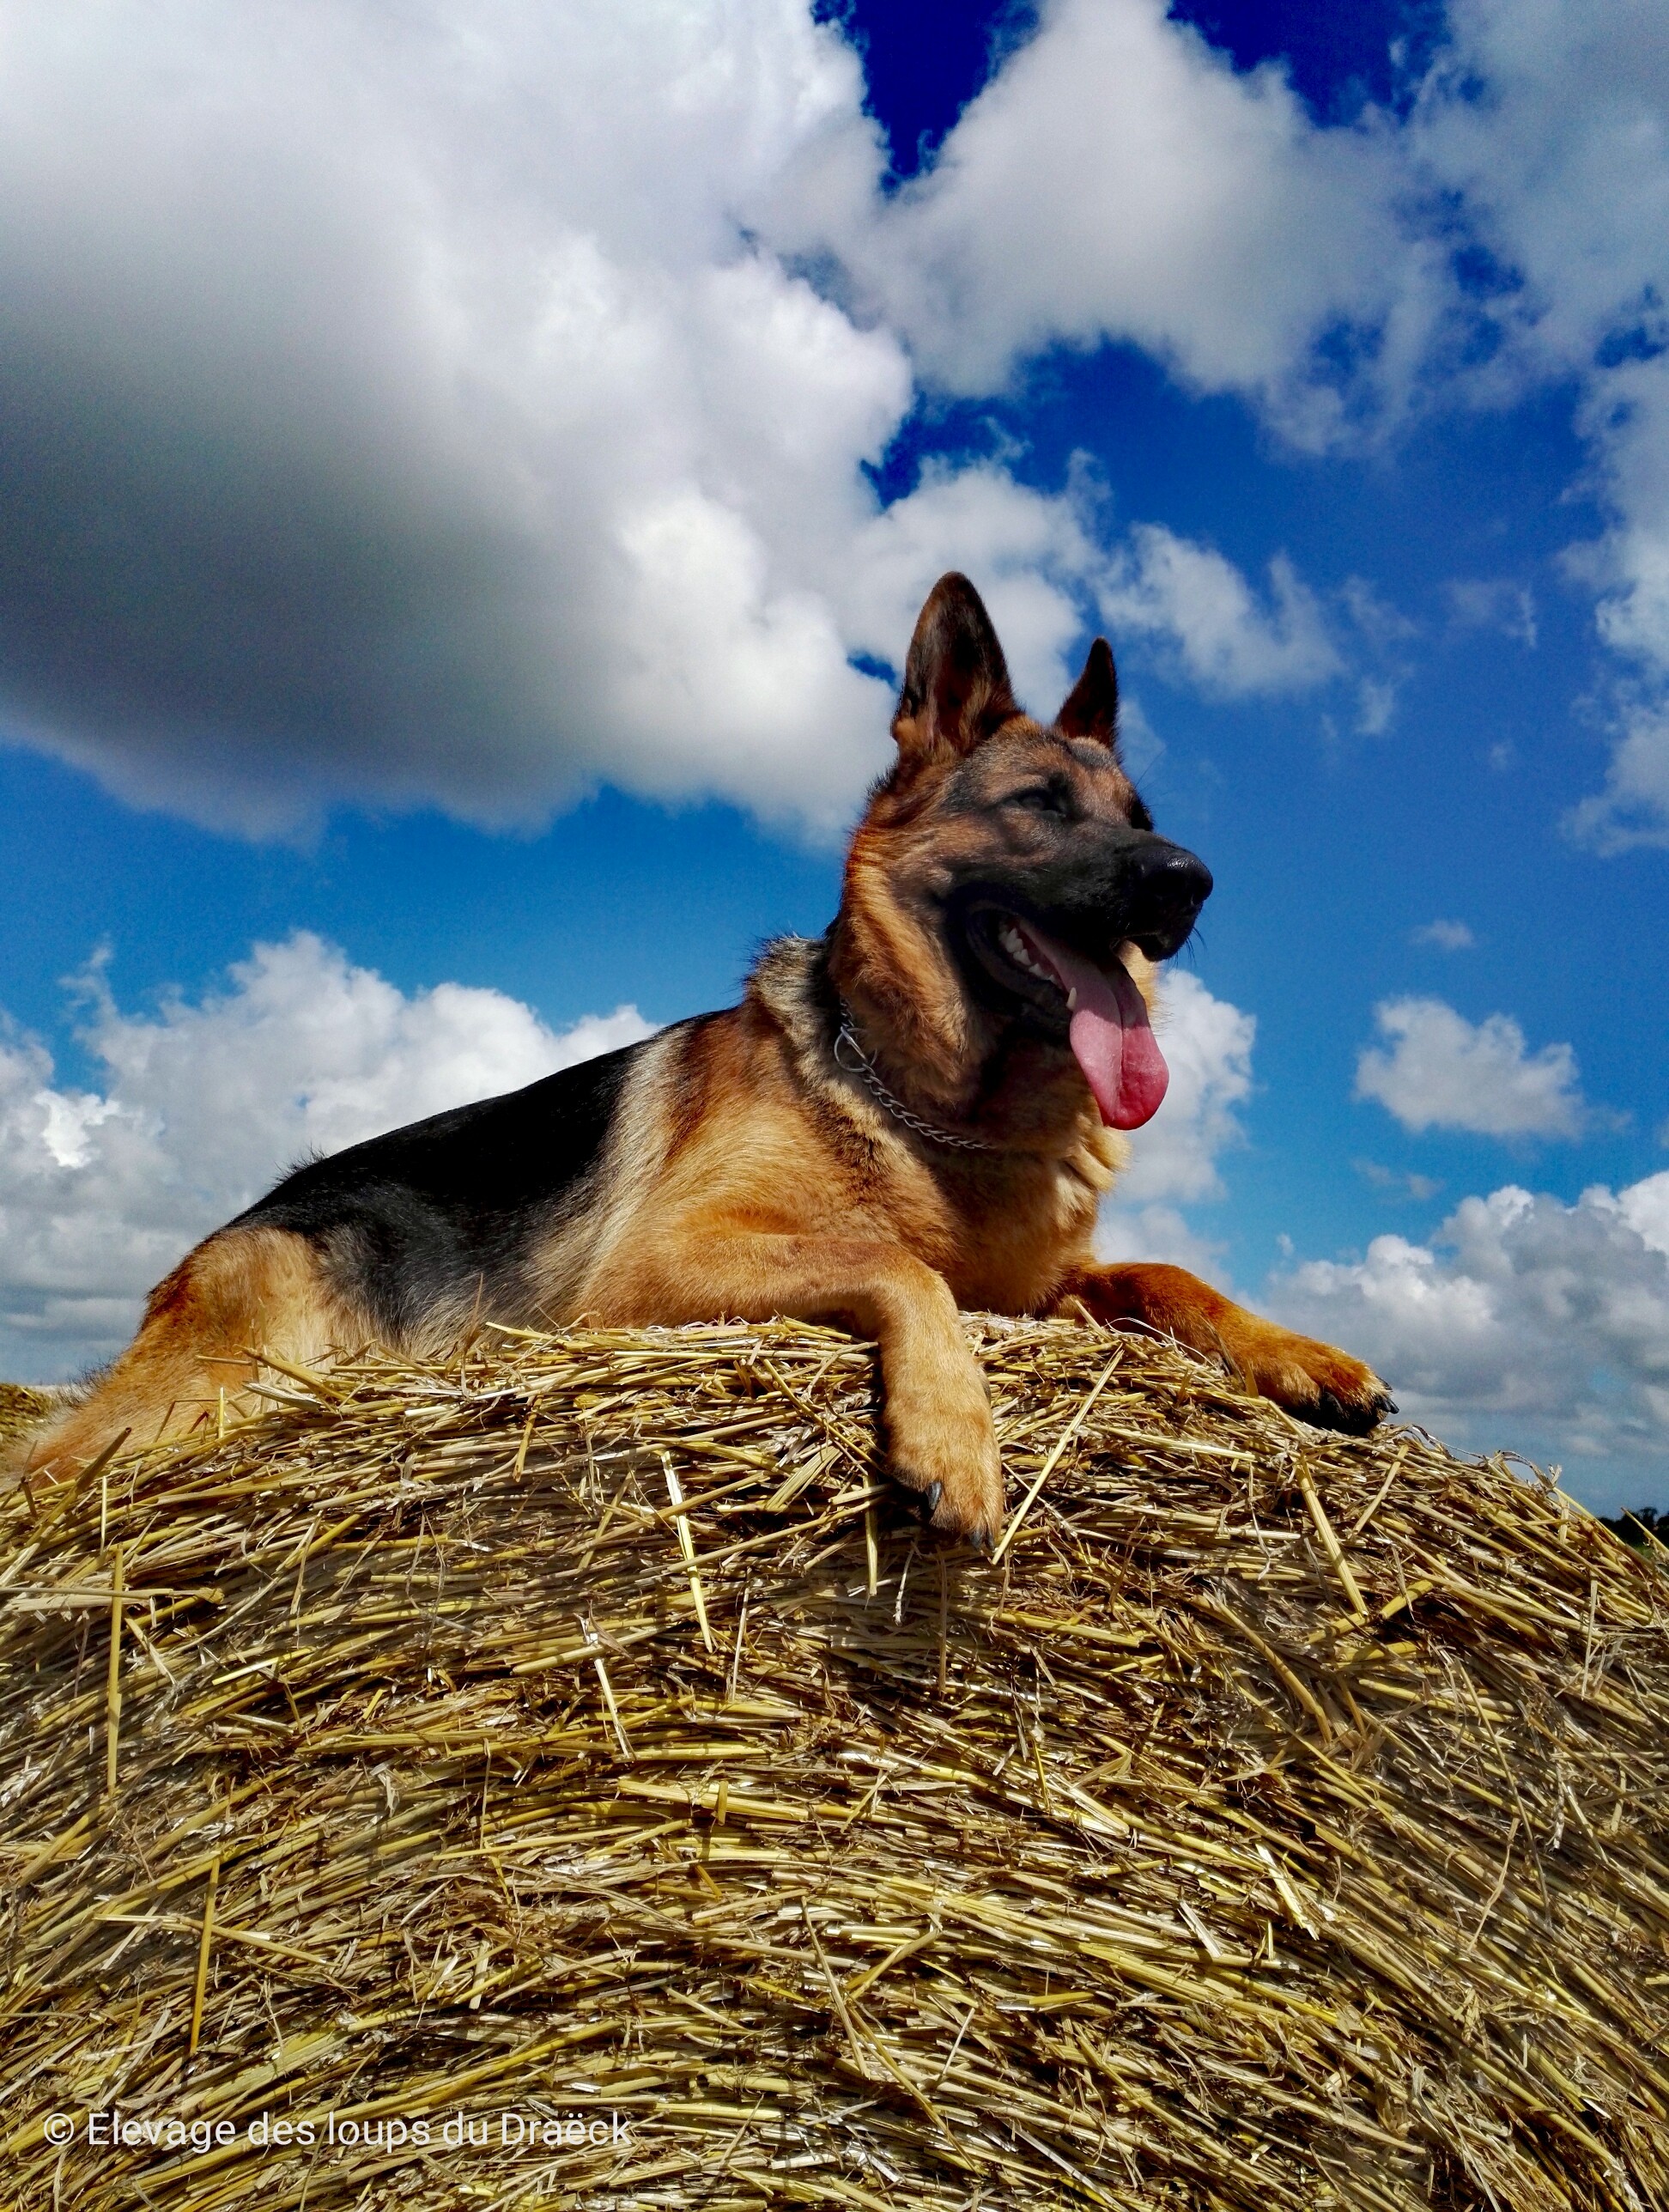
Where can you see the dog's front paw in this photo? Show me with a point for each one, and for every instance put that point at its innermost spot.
(942, 1446)
(1316, 1381)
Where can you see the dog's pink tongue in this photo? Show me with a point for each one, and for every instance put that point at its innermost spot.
(1111, 1037)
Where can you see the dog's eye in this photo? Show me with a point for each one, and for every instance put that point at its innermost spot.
(1042, 798)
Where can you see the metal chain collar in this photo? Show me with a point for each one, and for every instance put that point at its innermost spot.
(863, 1068)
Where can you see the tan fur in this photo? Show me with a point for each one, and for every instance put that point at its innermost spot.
(243, 1292)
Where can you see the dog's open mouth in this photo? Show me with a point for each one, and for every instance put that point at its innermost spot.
(1107, 1019)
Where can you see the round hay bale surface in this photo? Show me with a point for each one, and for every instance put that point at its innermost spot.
(22, 1409)
(579, 1741)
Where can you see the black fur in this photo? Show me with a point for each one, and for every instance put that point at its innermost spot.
(443, 1212)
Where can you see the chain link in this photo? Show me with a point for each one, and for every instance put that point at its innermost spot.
(865, 1070)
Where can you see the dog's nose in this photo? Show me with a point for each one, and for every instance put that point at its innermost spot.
(1164, 887)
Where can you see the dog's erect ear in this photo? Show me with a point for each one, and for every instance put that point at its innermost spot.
(956, 688)
(1092, 705)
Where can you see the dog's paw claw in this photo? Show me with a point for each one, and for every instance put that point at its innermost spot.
(1348, 1417)
(1314, 1382)
(945, 1455)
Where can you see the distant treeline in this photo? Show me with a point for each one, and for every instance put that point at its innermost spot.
(1634, 1527)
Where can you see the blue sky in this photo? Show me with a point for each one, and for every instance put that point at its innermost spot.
(461, 495)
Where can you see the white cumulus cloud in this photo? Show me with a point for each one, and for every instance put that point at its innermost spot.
(1549, 127)
(1632, 808)
(423, 407)
(399, 408)
(1032, 555)
(429, 406)
(1117, 180)
(1201, 606)
(1443, 1071)
(203, 1104)
(1207, 1044)
(1524, 1320)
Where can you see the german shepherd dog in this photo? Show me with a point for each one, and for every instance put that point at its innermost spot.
(916, 1113)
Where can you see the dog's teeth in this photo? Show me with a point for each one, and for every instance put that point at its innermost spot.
(1020, 953)
(1071, 1001)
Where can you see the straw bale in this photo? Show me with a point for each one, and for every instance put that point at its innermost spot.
(584, 1727)
(22, 1409)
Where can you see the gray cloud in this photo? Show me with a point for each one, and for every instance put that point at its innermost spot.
(397, 410)
(1522, 1316)
(280, 617)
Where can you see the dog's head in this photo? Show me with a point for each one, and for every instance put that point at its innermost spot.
(1006, 879)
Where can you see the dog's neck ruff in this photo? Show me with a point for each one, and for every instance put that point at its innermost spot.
(862, 1067)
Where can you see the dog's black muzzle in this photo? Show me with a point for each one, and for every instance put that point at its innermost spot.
(1135, 888)
(1161, 888)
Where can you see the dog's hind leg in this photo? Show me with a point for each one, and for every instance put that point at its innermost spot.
(242, 1292)
(1316, 1380)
